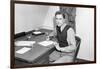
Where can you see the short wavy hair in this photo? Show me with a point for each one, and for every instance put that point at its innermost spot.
(59, 12)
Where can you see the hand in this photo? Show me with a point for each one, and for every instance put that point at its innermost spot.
(47, 38)
(57, 46)
(55, 43)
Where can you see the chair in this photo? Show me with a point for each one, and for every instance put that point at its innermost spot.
(78, 42)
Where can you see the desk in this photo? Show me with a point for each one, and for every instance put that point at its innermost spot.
(38, 54)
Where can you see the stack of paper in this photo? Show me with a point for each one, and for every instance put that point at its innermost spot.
(23, 50)
(46, 43)
(24, 43)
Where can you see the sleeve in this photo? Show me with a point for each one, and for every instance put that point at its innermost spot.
(71, 37)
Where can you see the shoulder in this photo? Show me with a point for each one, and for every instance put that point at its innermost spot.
(70, 31)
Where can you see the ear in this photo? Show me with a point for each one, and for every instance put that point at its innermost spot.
(64, 20)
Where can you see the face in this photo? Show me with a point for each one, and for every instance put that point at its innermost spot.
(59, 19)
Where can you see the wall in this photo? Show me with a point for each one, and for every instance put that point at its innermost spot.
(48, 22)
(28, 17)
(85, 30)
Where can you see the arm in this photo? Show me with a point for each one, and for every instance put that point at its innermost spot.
(71, 42)
(52, 35)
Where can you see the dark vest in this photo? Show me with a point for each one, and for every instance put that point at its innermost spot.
(62, 36)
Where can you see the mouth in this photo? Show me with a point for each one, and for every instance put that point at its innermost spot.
(58, 24)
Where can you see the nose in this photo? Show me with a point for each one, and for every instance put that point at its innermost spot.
(57, 21)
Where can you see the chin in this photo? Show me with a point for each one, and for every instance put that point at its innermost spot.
(59, 25)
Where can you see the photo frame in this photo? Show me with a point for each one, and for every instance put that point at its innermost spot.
(22, 12)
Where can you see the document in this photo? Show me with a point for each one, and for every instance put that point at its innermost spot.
(24, 43)
(37, 32)
(23, 50)
(46, 43)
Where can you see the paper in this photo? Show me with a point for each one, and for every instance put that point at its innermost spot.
(23, 50)
(37, 32)
(24, 43)
(46, 43)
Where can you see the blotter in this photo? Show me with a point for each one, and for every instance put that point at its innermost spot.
(46, 43)
(24, 43)
(23, 50)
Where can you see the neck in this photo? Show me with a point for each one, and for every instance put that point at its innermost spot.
(63, 26)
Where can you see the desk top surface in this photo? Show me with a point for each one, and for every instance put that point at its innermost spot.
(37, 51)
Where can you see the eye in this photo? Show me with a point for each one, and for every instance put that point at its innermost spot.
(60, 18)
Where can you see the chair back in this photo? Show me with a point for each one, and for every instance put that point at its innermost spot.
(78, 42)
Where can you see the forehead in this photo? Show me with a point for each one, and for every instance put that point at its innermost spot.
(59, 16)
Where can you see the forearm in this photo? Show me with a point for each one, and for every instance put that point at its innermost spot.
(70, 48)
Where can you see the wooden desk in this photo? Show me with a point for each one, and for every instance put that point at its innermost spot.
(38, 54)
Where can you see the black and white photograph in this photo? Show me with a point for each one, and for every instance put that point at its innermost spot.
(49, 34)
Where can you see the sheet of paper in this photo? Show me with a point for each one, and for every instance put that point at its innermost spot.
(23, 50)
(37, 32)
(46, 43)
(24, 43)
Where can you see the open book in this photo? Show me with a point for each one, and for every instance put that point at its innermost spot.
(46, 43)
